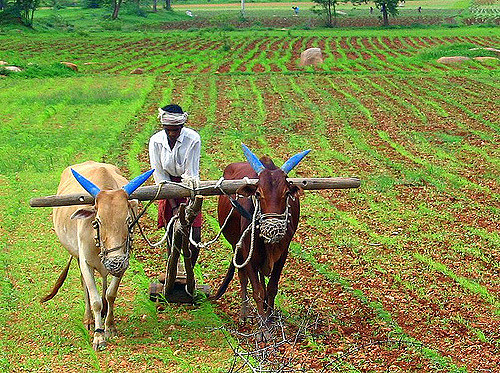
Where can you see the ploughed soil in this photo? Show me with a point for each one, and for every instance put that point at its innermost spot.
(339, 309)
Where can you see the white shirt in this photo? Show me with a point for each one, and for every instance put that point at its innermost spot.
(183, 160)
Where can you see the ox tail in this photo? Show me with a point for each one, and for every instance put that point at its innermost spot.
(225, 283)
(58, 283)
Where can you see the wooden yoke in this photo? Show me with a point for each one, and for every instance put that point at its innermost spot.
(206, 188)
(181, 229)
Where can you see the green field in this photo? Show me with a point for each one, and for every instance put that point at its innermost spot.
(401, 275)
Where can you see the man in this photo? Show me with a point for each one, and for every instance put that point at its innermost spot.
(174, 153)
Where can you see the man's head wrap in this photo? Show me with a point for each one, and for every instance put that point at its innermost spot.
(171, 119)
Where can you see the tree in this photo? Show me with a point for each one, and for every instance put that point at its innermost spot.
(327, 9)
(19, 11)
(116, 8)
(387, 7)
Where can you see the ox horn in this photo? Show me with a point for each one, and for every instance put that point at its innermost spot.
(86, 184)
(137, 182)
(252, 159)
(294, 161)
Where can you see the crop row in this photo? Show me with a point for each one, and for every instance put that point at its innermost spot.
(234, 53)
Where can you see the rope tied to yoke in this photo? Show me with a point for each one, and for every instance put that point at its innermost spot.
(272, 226)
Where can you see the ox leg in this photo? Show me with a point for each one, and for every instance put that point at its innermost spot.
(104, 309)
(244, 296)
(259, 295)
(99, 342)
(110, 327)
(88, 320)
(272, 286)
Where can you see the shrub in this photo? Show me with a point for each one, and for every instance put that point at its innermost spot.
(19, 11)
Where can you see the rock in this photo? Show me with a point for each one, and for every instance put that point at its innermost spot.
(453, 59)
(13, 68)
(3, 63)
(311, 56)
(480, 59)
(139, 70)
(496, 51)
(72, 66)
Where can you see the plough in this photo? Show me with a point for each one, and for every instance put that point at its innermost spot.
(181, 288)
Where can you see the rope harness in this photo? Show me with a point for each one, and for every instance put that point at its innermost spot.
(272, 226)
(119, 263)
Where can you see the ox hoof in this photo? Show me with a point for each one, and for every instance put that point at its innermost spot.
(99, 343)
(99, 346)
(88, 324)
(263, 336)
(242, 320)
(244, 316)
(111, 332)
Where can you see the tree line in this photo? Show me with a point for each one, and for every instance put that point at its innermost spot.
(328, 9)
(22, 11)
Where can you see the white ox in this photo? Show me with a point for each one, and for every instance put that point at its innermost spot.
(99, 236)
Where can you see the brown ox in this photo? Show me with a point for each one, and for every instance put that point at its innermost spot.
(99, 236)
(272, 208)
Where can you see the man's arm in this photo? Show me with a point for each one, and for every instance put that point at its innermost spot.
(154, 160)
(193, 160)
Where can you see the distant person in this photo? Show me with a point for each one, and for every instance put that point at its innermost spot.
(188, 12)
(371, 10)
(295, 10)
(420, 9)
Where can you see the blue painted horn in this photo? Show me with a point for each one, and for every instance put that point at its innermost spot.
(137, 182)
(252, 159)
(294, 161)
(86, 184)
(94, 189)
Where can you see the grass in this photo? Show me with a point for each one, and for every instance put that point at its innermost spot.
(25, 177)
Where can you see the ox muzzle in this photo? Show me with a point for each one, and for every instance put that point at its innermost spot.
(116, 265)
(272, 226)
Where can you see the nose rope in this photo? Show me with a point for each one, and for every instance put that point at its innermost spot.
(273, 226)
(118, 264)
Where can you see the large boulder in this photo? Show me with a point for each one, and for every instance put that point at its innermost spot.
(70, 65)
(482, 59)
(13, 68)
(496, 51)
(138, 70)
(311, 56)
(453, 60)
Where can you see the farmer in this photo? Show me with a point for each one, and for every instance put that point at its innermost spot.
(295, 10)
(174, 153)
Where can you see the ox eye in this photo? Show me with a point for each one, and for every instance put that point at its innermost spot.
(257, 194)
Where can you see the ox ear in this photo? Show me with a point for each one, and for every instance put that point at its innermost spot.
(294, 161)
(86, 184)
(83, 213)
(295, 190)
(246, 190)
(134, 205)
(255, 162)
(137, 182)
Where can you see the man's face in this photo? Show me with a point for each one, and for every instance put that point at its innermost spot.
(173, 132)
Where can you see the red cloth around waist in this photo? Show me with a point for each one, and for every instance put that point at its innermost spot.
(165, 211)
